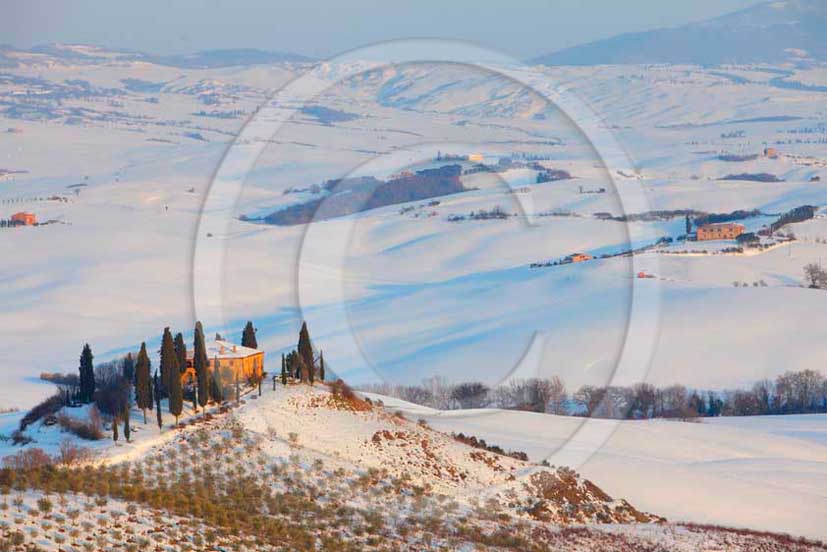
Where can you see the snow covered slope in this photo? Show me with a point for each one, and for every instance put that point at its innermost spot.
(301, 466)
(766, 473)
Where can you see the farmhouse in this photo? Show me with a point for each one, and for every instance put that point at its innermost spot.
(26, 219)
(579, 257)
(724, 231)
(231, 360)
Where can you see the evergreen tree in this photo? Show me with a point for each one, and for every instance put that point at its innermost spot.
(158, 401)
(248, 336)
(127, 431)
(143, 383)
(181, 352)
(169, 362)
(176, 394)
(283, 371)
(129, 369)
(305, 348)
(321, 365)
(298, 367)
(688, 225)
(87, 375)
(151, 394)
(115, 428)
(201, 365)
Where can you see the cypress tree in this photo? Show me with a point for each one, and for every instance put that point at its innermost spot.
(143, 383)
(176, 394)
(181, 352)
(321, 365)
(129, 369)
(201, 364)
(127, 431)
(158, 402)
(294, 364)
(87, 375)
(688, 225)
(151, 393)
(298, 367)
(305, 348)
(248, 336)
(169, 362)
(283, 372)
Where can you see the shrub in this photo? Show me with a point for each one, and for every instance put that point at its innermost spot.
(27, 459)
(44, 505)
(19, 438)
(91, 430)
(41, 410)
(71, 454)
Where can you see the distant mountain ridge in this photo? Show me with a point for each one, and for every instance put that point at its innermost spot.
(770, 32)
(207, 59)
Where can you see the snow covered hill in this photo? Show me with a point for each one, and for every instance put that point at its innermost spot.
(319, 466)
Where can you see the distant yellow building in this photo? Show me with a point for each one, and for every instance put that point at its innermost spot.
(476, 157)
(232, 360)
(580, 257)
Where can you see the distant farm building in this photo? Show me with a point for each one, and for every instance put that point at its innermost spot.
(771, 153)
(476, 158)
(724, 231)
(232, 361)
(26, 219)
(579, 257)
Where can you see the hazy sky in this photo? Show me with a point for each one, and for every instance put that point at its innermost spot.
(523, 28)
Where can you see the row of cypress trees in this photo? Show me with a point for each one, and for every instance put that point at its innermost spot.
(149, 388)
(173, 363)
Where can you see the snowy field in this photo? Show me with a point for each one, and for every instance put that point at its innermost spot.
(422, 294)
(760, 472)
(121, 169)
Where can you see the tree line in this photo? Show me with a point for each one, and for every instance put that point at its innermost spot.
(802, 392)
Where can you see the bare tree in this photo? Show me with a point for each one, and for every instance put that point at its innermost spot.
(590, 398)
(557, 397)
(643, 402)
(470, 395)
(416, 394)
(440, 390)
(815, 276)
